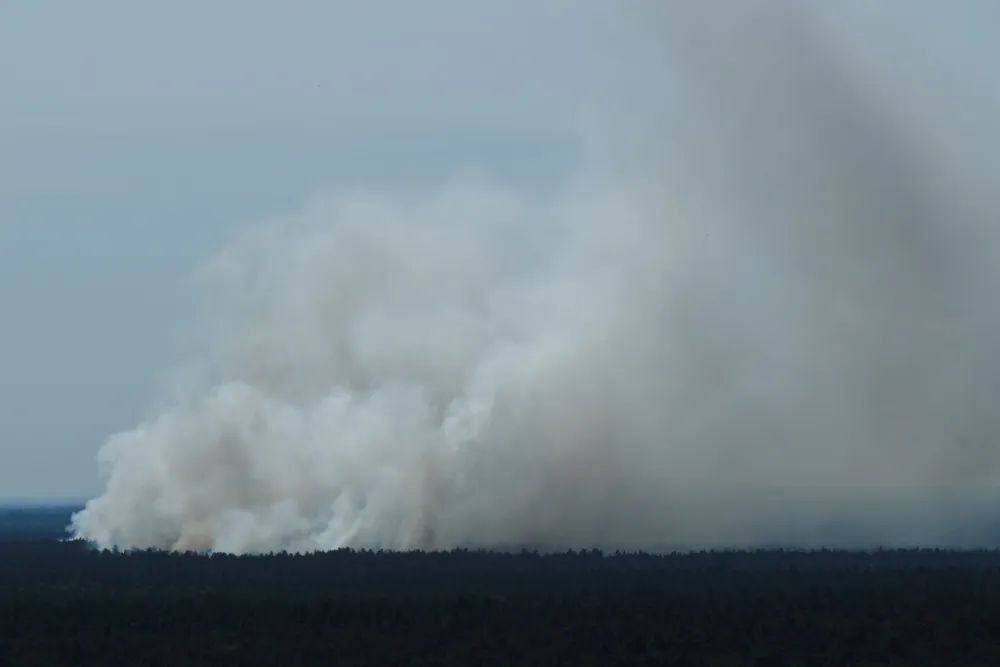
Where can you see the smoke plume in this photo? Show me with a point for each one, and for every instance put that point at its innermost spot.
(763, 312)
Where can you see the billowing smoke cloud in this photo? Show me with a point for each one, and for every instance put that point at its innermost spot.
(764, 313)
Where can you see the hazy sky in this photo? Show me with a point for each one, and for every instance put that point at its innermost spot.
(134, 137)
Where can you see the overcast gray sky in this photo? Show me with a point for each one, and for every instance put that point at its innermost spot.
(134, 137)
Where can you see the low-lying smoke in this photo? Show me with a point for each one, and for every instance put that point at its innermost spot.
(763, 313)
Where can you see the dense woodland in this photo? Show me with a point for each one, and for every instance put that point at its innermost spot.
(65, 603)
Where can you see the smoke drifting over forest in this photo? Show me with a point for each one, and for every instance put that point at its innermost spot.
(764, 311)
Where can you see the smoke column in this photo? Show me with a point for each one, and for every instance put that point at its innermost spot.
(764, 312)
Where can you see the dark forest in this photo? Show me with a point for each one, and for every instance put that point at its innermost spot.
(64, 603)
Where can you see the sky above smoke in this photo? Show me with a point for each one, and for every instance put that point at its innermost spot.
(755, 308)
(135, 140)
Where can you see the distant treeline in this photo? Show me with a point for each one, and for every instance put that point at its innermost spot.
(65, 603)
(35, 522)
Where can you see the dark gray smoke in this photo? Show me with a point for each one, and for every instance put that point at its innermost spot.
(763, 313)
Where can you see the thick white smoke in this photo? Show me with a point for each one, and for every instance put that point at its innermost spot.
(763, 313)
